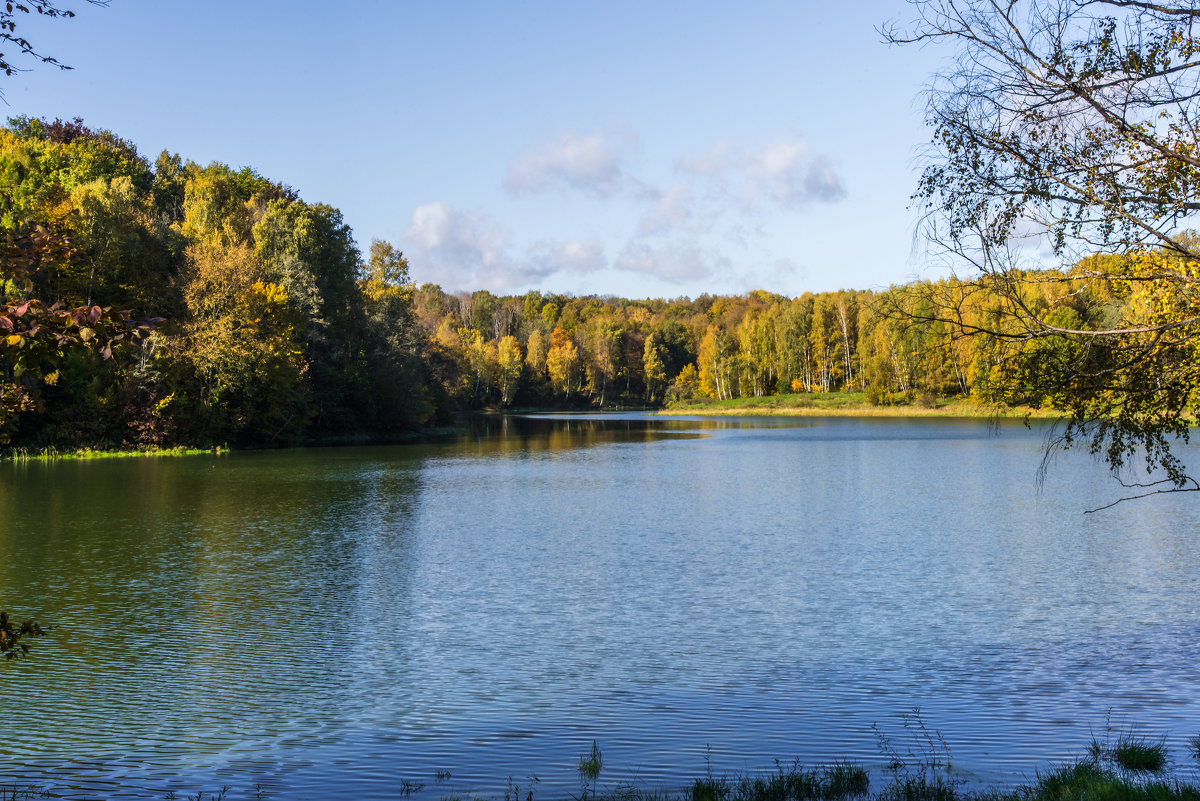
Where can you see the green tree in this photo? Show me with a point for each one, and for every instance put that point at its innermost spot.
(36, 336)
(605, 356)
(510, 363)
(535, 353)
(400, 393)
(562, 361)
(1075, 121)
(654, 368)
(241, 345)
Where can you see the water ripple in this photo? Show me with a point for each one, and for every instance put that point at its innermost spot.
(688, 594)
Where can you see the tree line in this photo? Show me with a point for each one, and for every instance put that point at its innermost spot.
(265, 322)
(221, 308)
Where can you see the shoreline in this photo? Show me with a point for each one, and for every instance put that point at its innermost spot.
(833, 404)
(52, 454)
(836, 404)
(1123, 766)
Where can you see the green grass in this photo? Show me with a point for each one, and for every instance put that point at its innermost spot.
(1085, 780)
(1140, 756)
(52, 454)
(1089, 780)
(1194, 746)
(851, 404)
(837, 782)
(591, 764)
(920, 787)
(11, 792)
(1131, 768)
(1129, 752)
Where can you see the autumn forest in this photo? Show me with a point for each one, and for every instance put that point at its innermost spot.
(225, 309)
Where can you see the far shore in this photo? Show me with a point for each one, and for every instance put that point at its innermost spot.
(816, 404)
(851, 404)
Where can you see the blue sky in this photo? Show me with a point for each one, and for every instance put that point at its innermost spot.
(628, 148)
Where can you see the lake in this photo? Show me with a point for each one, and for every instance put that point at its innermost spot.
(690, 592)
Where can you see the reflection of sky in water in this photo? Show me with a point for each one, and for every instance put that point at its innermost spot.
(336, 620)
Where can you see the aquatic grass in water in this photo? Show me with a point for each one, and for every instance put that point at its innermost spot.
(50, 454)
(837, 782)
(591, 764)
(920, 787)
(925, 749)
(1140, 756)
(200, 796)
(844, 780)
(1098, 776)
(11, 792)
(589, 768)
(1129, 751)
(1089, 780)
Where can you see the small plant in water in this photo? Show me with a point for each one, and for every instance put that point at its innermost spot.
(1141, 756)
(844, 780)
(1128, 752)
(407, 787)
(709, 788)
(12, 792)
(201, 796)
(927, 751)
(512, 792)
(589, 769)
(1194, 746)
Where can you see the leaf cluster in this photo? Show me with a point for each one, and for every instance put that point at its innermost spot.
(1066, 133)
(12, 634)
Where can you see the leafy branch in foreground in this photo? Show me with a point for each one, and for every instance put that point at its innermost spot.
(11, 634)
(9, 37)
(1067, 133)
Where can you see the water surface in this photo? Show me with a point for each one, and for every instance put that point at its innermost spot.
(336, 622)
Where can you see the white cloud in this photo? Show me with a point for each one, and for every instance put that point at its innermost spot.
(675, 263)
(787, 173)
(466, 251)
(458, 250)
(781, 157)
(822, 182)
(714, 162)
(724, 200)
(549, 257)
(782, 271)
(784, 173)
(587, 163)
(672, 210)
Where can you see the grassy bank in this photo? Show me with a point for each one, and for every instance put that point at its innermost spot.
(389, 438)
(1122, 767)
(53, 454)
(848, 404)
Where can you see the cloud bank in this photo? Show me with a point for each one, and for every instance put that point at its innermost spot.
(721, 198)
(588, 164)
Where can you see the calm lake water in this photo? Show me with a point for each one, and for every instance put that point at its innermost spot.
(333, 623)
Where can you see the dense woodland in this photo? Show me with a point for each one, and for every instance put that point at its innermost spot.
(268, 325)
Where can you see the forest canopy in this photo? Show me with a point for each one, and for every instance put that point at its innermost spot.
(234, 312)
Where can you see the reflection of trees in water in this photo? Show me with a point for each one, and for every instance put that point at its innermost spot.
(317, 547)
(544, 433)
(275, 563)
